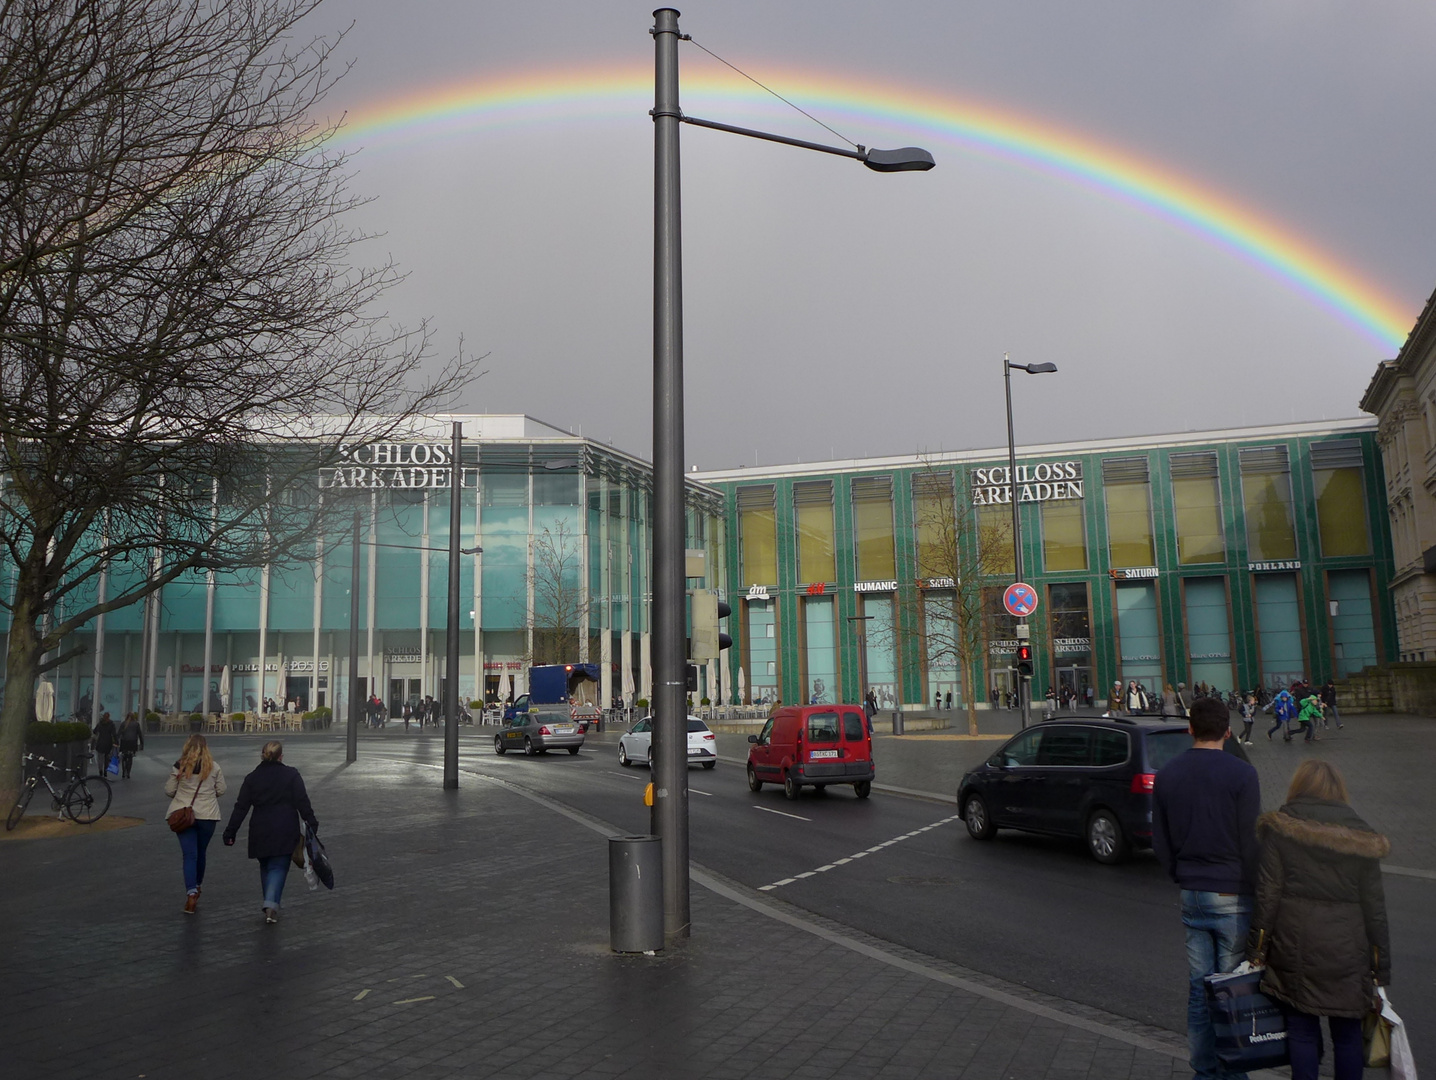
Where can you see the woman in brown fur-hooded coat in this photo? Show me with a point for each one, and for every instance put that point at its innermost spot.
(1320, 918)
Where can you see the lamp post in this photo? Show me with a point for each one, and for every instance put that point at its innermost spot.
(670, 740)
(1023, 690)
(451, 660)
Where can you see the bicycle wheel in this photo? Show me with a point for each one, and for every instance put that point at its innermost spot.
(27, 791)
(87, 799)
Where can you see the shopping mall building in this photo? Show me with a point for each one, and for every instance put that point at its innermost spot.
(1229, 558)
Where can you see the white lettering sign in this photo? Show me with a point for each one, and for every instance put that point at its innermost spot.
(1268, 567)
(937, 583)
(874, 586)
(1071, 644)
(1136, 573)
(757, 592)
(1047, 481)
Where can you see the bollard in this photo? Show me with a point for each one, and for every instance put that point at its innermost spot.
(897, 722)
(635, 894)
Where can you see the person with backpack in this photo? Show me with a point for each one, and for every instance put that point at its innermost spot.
(1309, 717)
(104, 743)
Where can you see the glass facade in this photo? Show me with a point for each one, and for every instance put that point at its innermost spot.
(1338, 479)
(1353, 622)
(1140, 634)
(1129, 512)
(820, 660)
(1064, 536)
(1278, 616)
(758, 536)
(1197, 502)
(1266, 499)
(934, 524)
(873, 528)
(813, 511)
(1209, 633)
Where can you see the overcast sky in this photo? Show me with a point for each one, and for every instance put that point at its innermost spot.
(832, 311)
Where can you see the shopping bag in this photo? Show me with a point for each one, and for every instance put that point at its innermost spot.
(113, 768)
(314, 849)
(1387, 1045)
(310, 877)
(1250, 1027)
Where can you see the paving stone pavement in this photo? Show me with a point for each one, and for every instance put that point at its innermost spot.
(468, 937)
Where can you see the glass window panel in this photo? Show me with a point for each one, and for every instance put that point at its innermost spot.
(1141, 637)
(762, 651)
(1065, 746)
(933, 521)
(822, 688)
(1353, 627)
(994, 539)
(1199, 520)
(1209, 635)
(758, 538)
(1064, 535)
(873, 529)
(1266, 498)
(1129, 524)
(1109, 748)
(1341, 512)
(1278, 615)
(815, 542)
(880, 660)
(823, 727)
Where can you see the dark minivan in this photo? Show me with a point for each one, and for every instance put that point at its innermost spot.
(1086, 778)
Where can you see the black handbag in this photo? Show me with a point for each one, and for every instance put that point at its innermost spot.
(1250, 1027)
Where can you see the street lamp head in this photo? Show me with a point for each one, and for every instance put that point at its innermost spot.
(1037, 369)
(905, 159)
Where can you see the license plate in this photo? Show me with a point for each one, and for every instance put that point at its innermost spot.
(823, 754)
(567, 729)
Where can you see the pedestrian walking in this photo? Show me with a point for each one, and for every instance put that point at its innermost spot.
(103, 741)
(1051, 706)
(197, 782)
(1320, 921)
(949, 701)
(1328, 699)
(131, 739)
(1248, 707)
(870, 705)
(1204, 809)
(1283, 710)
(1171, 704)
(1137, 699)
(275, 793)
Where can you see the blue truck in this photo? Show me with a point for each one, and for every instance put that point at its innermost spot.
(570, 690)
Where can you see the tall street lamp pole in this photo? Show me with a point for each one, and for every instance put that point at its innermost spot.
(451, 661)
(351, 731)
(670, 739)
(1024, 695)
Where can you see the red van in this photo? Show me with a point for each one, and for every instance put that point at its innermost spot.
(813, 745)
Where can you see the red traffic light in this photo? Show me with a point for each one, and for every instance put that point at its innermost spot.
(1024, 652)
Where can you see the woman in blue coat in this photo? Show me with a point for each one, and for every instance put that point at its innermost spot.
(275, 793)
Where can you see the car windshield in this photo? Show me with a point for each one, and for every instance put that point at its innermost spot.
(1163, 746)
(696, 725)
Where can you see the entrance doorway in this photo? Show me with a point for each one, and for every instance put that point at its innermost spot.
(396, 697)
(1073, 683)
(1002, 685)
(296, 689)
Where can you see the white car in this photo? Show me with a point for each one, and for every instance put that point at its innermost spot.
(636, 744)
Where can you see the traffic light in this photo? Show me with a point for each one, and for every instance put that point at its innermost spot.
(704, 642)
(1024, 661)
(692, 678)
(724, 641)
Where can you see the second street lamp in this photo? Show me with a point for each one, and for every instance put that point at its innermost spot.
(1013, 495)
(670, 740)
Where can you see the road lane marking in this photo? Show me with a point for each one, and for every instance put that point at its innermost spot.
(410, 1001)
(457, 985)
(361, 995)
(695, 791)
(795, 817)
(855, 855)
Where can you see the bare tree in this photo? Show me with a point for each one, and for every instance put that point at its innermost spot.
(960, 553)
(177, 309)
(560, 611)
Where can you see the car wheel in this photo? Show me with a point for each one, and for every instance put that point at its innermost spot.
(1105, 839)
(573, 751)
(863, 788)
(709, 764)
(528, 746)
(623, 756)
(979, 822)
(754, 784)
(499, 747)
(791, 787)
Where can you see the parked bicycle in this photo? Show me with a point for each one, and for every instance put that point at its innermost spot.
(84, 800)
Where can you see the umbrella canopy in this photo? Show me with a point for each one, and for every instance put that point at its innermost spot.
(628, 687)
(169, 692)
(742, 687)
(224, 687)
(45, 702)
(520, 680)
(504, 687)
(713, 682)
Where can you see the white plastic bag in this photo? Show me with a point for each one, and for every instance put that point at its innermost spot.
(310, 877)
(1403, 1064)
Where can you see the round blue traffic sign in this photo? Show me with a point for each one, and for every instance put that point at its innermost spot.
(1020, 599)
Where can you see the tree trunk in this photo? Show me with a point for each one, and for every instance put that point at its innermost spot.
(19, 706)
(971, 698)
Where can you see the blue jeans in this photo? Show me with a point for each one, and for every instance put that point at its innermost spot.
(1217, 925)
(1303, 1039)
(273, 869)
(192, 843)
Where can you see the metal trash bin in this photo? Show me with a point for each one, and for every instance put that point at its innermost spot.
(635, 894)
(897, 722)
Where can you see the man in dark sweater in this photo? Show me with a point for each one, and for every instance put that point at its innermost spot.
(1204, 810)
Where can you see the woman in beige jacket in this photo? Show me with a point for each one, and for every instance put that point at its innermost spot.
(197, 781)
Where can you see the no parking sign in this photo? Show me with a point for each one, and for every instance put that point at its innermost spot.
(1020, 599)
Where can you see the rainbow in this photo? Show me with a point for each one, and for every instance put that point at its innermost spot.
(567, 96)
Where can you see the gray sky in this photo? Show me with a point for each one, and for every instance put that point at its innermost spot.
(835, 311)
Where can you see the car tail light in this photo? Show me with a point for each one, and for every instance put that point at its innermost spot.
(545, 731)
(710, 735)
(1144, 782)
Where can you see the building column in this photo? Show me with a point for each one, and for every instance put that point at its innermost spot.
(263, 635)
(373, 569)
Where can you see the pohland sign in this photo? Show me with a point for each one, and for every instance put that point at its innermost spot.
(1046, 481)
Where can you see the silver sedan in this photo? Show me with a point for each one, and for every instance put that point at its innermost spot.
(537, 733)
